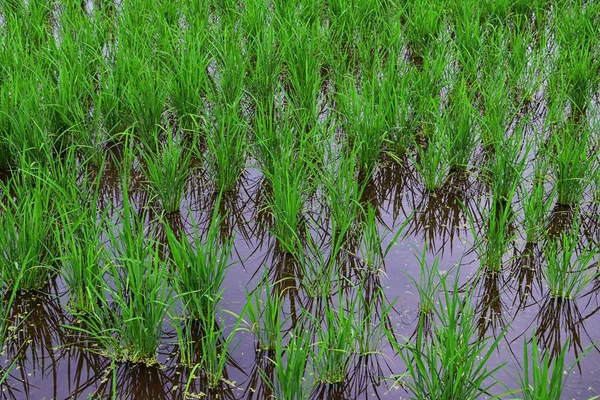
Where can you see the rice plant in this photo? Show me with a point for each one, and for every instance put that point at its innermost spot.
(573, 163)
(263, 311)
(493, 243)
(335, 345)
(82, 256)
(343, 191)
(451, 362)
(536, 205)
(168, 169)
(289, 186)
(26, 221)
(427, 284)
(459, 120)
(544, 377)
(134, 298)
(432, 160)
(568, 270)
(200, 267)
(291, 361)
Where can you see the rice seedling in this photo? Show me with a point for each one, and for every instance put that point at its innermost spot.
(372, 314)
(432, 160)
(335, 345)
(497, 106)
(215, 347)
(365, 125)
(544, 377)
(451, 362)
(134, 298)
(425, 20)
(573, 163)
(200, 267)
(145, 97)
(81, 256)
(343, 191)
(167, 171)
(493, 243)
(289, 189)
(189, 68)
(459, 121)
(291, 361)
(568, 271)
(227, 144)
(536, 204)
(427, 285)
(507, 166)
(263, 310)
(26, 221)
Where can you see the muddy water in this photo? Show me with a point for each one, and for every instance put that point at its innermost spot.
(54, 362)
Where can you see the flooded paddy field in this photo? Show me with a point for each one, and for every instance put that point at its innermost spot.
(299, 200)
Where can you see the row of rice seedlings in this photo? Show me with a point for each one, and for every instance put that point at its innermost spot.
(449, 361)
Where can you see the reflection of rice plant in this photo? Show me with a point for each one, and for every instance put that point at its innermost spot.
(568, 271)
(451, 362)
